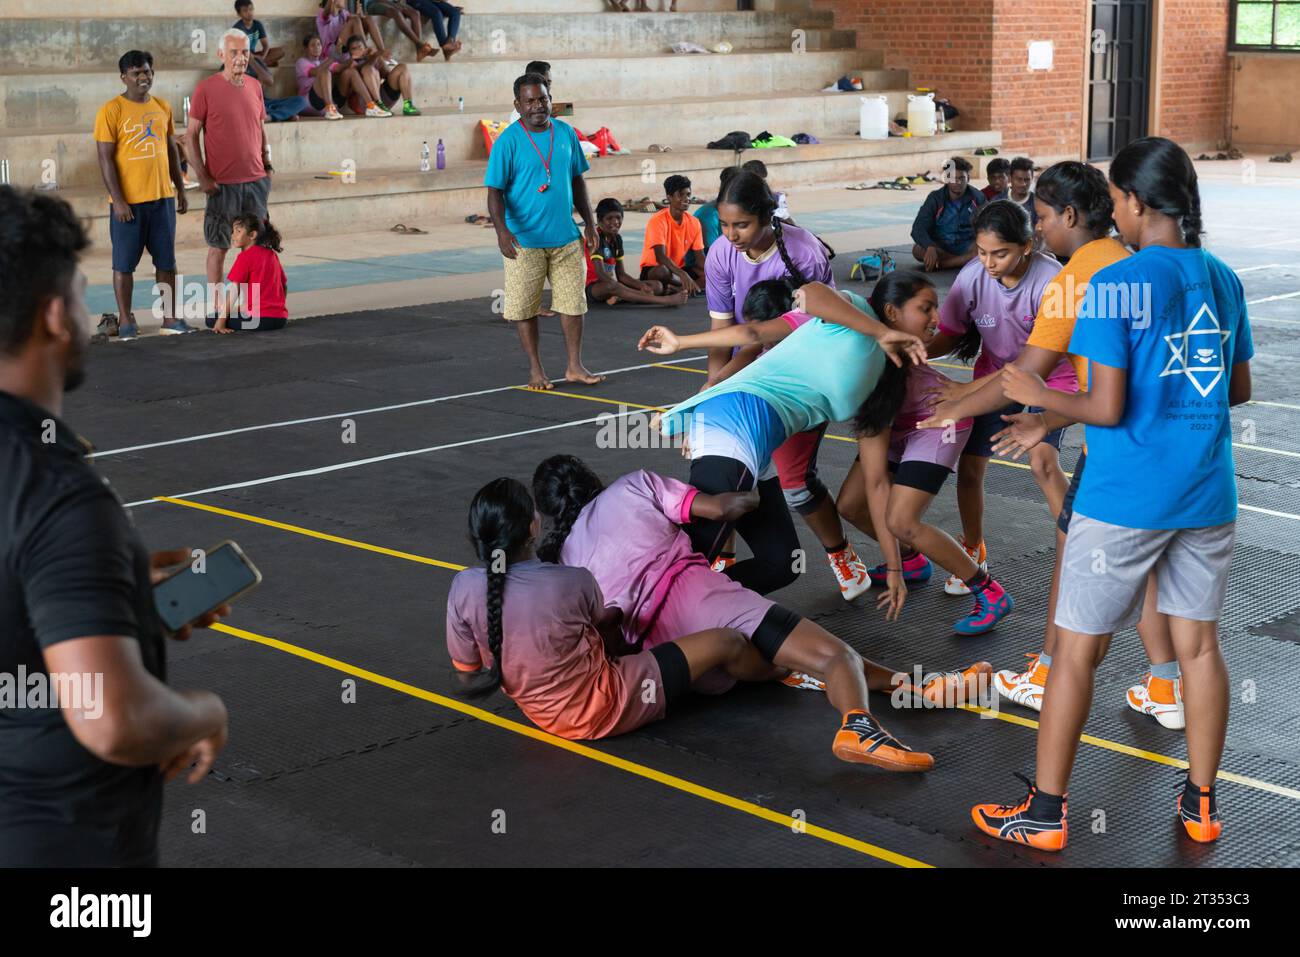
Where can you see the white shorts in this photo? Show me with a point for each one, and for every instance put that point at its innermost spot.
(1105, 567)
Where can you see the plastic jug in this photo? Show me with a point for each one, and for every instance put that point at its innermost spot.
(874, 118)
(920, 114)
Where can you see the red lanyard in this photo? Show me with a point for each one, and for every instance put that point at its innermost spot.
(546, 163)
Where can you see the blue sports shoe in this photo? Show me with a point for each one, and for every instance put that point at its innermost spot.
(916, 569)
(992, 604)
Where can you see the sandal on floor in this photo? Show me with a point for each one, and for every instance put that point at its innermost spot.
(412, 230)
(478, 219)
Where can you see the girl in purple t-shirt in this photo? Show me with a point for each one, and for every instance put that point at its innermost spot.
(990, 312)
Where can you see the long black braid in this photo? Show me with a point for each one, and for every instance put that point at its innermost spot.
(562, 486)
(500, 517)
(750, 192)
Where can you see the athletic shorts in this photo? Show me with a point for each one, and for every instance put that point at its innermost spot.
(700, 599)
(1067, 506)
(528, 272)
(926, 476)
(388, 94)
(230, 200)
(1105, 567)
(152, 227)
(940, 447)
(796, 464)
(253, 324)
(318, 104)
(980, 443)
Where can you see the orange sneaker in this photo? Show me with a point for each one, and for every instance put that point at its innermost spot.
(1161, 698)
(863, 741)
(1019, 824)
(951, 689)
(802, 681)
(1024, 687)
(1199, 813)
(723, 562)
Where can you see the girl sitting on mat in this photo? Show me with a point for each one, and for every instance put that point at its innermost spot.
(257, 287)
(822, 372)
(901, 468)
(990, 312)
(542, 633)
(630, 537)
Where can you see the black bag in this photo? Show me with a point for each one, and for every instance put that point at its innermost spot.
(736, 140)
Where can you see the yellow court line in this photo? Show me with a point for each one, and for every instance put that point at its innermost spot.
(1011, 718)
(310, 533)
(631, 767)
(666, 365)
(590, 398)
(1131, 751)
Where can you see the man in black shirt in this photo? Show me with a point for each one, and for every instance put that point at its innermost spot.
(80, 781)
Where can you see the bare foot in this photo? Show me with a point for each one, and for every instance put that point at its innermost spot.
(581, 376)
(680, 297)
(537, 380)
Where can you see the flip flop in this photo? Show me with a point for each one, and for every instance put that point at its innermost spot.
(478, 219)
(403, 228)
(860, 186)
(657, 148)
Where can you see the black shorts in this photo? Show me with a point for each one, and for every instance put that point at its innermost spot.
(773, 630)
(318, 104)
(980, 441)
(389, 95)
(926, 476)
(674, 672)
(1067, 506)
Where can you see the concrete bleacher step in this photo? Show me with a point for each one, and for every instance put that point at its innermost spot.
(316, 146)
(95, 43)
(35, 101)
(31, 9)
(383, 196)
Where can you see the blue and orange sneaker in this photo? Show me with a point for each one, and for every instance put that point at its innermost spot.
(992, 604)
(1034, 821)
(1199, 813)
(916, 569)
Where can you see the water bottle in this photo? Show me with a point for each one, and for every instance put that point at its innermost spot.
(442, 156)
(424, 157)
(4, 172)
(939, 120)
(185, 112)
(460, 104)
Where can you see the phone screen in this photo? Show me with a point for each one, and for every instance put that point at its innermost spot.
(213, 578)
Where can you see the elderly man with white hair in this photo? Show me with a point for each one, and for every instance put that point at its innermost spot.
(227, 148)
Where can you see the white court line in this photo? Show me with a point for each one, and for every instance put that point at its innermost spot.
(1255, 268)
(1284, 322)
(342, 415)
(356, 463)
(1285, 295)
(1276, 405)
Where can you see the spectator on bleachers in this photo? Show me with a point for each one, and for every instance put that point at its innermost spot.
(998, 172)
(134, 137)
(263, 56)
(944, 229)
(226, 144)
(325, 83)
(436, 11)
(386, 82)
(255, 295)
(1020, 186)
(673, 253)
(708, 213)
(402, 14)
(336, 25)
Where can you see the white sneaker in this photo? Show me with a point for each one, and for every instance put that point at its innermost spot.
(1160, 698)
(374, 109)
(1024, 687)
(980, 556)
(803, 682)
(332, 112)
(850, 571)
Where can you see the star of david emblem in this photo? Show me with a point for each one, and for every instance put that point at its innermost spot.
(1198, 351)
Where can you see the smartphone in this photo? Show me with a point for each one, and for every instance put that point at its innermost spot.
(217, 576)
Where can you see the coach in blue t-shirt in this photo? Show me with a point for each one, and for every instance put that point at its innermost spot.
(534, 181)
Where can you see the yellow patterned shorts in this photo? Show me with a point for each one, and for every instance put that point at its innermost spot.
(527, 273)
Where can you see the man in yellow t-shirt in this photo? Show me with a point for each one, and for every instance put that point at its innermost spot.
(673, 252)
(141, 166)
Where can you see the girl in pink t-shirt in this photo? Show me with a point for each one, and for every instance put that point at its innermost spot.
(542, 633)
(989, 313)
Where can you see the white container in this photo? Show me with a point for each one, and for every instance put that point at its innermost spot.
(873, 119)
(920, 114)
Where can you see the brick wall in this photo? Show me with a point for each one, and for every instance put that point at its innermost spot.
(975, 52)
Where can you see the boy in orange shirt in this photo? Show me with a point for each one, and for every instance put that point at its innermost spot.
(674, 241)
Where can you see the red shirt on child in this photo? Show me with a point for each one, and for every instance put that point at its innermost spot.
(259, 267)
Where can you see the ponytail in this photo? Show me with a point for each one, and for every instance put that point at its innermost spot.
(796, 277)
(1160, 173)
(878, 411)
(267, 235)
(500, 517)
(562, 486)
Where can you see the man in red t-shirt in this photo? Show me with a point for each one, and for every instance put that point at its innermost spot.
(231, 159)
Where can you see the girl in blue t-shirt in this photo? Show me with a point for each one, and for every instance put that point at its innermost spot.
(1169, 346)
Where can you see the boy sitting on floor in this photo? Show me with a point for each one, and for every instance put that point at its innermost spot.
(606, 280)
(944, 230)
(1019, 187)
(998, 171)
(674, 242)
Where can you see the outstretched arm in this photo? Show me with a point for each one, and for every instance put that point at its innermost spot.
(664, 342)
(818, 299)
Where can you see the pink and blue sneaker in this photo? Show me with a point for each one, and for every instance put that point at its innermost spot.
(916, 569)
(992, 604)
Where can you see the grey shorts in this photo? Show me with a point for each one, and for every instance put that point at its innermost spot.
(1105, 567)
(229, 201)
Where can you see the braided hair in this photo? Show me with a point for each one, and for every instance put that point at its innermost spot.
(878, 411)
(1008, 221)
(562, 486)
(1160, 173)
(500, 517)
(750, 192)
